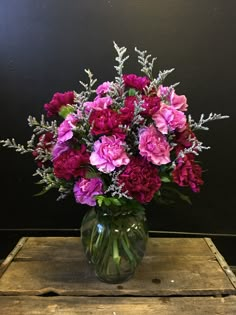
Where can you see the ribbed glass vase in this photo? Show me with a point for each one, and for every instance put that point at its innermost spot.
(114, 242)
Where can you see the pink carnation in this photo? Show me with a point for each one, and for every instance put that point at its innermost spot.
(71, 163)
(99, 103)
(179, 102)
(65, 130)
(103, 88)
(85, 190)
(154, 146)
(109, 153)
(136, 82)
(59, 100)
(169, 119)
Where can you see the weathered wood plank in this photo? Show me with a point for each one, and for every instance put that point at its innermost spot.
(229, 272)
(118, 306)
(162, 274)
(170, 267)
(68, 248)
(6, 262)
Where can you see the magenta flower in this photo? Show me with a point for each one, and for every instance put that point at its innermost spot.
(169, 119)
(188, 173)
(154, 146)
(85, 190)
(65, 130)
(105, 122)
(59, 100)
(140, 178)
(109, 153)
(136, 82)
(127, 111)
(151, 105)
(71, 163)
(99, 103)
(103, 88)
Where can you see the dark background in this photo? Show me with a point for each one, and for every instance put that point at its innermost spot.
(44, 47)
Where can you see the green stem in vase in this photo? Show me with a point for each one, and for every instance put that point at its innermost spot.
(116, 256)
(126, 249)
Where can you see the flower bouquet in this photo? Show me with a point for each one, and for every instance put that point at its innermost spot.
(116, 148)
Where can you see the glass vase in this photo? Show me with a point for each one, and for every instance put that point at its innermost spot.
(114, 243)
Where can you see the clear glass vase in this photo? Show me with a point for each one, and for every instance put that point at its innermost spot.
(114, 243)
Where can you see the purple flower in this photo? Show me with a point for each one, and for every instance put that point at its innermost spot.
(86, 189)
(65, 130)
(103, 88)
(58, 149)
(109, 153)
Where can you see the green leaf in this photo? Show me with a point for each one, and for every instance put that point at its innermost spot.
(165, 179)
(179, 194)
(100, 200)
(185, 198)
(132, 92)
(91, 174)
(42, 192)
(65, 110)
(115, 201)
(107, 201)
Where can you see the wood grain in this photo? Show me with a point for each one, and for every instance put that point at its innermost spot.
(118, 306)
(171, 266)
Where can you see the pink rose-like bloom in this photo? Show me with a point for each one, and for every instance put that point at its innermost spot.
(136, 82)
(99, 103)
(59, 100)
(103, 88)
(154, 146)
(71, 163)
(179, 102)
(65, 130)
(188, 173)
(86, 189)
(140, 179)
(169, 119)
(109, 153)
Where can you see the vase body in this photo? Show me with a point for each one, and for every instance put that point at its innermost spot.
(114, 244)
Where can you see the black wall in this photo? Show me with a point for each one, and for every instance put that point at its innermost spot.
(46, 44)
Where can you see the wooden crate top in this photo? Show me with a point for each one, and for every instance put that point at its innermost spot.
(50, 275)
(171, 267)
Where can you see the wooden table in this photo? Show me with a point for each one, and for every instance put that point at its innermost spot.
(49, 275)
